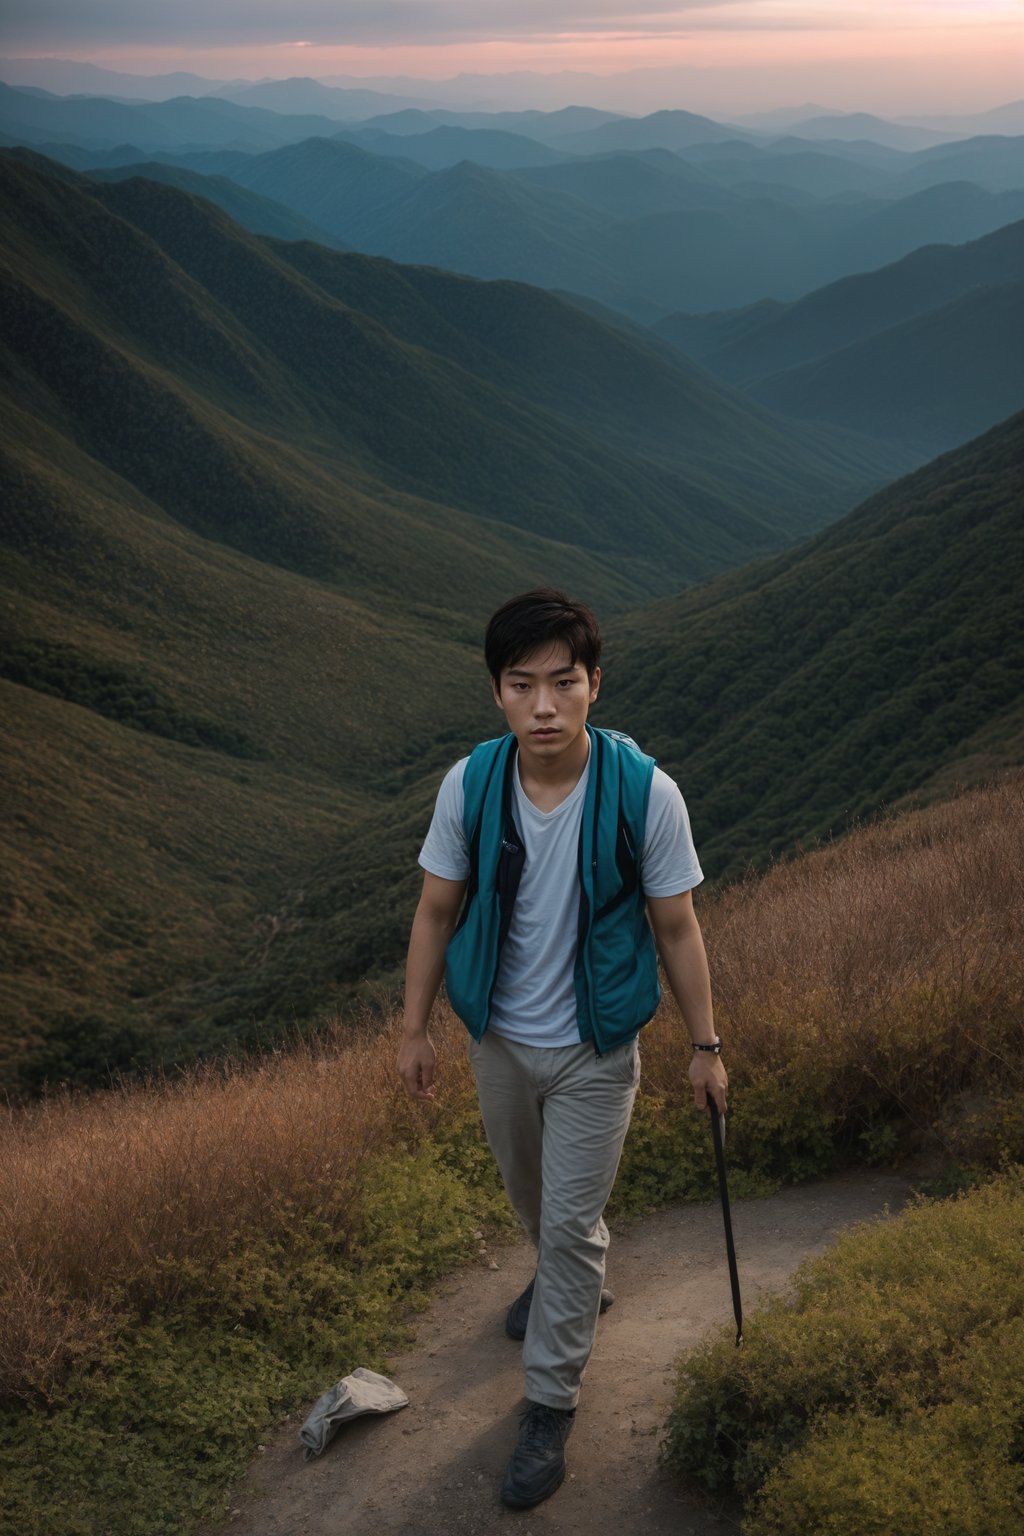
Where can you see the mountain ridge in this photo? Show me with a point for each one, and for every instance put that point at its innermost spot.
(764, 340)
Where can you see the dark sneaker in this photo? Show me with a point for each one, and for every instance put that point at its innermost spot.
(537, 1465)
(518, 1313)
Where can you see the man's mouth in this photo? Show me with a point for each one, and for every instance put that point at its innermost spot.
(545, 730)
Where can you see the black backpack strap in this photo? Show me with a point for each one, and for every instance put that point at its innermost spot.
(513, 854)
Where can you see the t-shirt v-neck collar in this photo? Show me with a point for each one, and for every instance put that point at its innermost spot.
(576, 793)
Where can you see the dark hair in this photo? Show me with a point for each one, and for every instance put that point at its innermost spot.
(544, 617)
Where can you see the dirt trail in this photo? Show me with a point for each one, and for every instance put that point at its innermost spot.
(435, 1467)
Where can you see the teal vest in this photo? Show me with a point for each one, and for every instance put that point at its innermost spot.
(616, 970)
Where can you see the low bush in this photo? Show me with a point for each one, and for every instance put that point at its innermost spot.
(947, 1469)
(859, 1398)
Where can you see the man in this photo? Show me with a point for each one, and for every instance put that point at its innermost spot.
(556, 843)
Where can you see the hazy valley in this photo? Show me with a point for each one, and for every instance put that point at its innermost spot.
(265, 480)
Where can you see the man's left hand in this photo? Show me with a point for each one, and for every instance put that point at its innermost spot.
(709, 1077)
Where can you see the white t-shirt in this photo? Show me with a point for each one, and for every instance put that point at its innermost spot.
(534, 998)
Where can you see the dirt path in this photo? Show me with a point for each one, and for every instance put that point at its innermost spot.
(435, 1468)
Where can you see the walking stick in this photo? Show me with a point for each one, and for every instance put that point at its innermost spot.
(718, 1137)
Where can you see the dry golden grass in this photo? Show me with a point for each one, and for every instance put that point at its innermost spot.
(897, 950)
(120, 1199)
(893, 958)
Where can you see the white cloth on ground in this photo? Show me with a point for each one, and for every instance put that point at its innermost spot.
(362, 1392)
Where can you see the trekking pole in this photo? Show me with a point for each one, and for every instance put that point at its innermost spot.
(718, 1137)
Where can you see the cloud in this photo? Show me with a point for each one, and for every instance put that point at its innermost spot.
(370, 23)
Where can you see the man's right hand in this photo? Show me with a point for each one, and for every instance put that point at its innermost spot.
(416, 1061)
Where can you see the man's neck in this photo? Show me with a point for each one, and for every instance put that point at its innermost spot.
(547, 784)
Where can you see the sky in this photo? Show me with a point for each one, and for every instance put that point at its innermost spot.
(907, 55)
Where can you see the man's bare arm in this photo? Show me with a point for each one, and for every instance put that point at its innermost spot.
(681, 947)
(432, 927)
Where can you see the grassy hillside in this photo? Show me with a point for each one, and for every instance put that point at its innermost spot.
(626, 392)
(809, 689)
(262, 497)
(452, 396)
(209, 662)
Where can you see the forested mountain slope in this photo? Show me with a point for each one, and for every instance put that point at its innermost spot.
(879, 660)
(929, 383)
(259, 499)
(160, 298)
(747, 345)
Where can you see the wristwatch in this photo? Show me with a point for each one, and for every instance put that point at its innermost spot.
(714, 1046)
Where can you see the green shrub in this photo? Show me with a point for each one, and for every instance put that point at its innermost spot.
(665, 1158)
(781, 1126)
(955, 1467)
(908, 1324)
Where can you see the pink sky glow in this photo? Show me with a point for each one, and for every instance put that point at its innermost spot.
(876, 55)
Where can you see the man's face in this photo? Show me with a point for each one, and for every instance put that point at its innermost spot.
(545, 698)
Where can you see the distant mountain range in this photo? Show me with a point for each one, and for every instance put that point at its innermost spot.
(493, 94)
(544, 127)
(444, 145)
(929, 350)
(645, 235)
(749, 344)
(669, 211)
(865, 127)
(96, 122)
(259, 215)
(932, 381)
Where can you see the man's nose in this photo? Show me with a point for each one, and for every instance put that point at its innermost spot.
(544, 702)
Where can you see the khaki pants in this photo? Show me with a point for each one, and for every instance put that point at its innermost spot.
(556, 1121)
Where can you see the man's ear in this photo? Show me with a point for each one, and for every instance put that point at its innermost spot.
(496, 695)
(595, 684)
